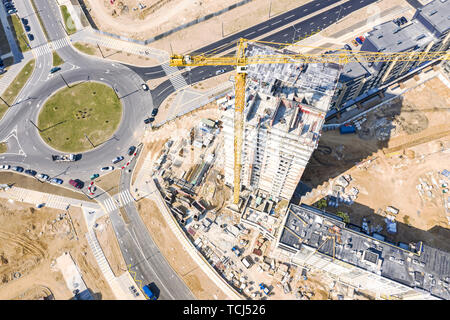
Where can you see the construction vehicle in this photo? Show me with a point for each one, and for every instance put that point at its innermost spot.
(240, 60)
(65, 157)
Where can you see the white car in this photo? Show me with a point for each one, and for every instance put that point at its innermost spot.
(145, 87)
(42, 176)
(110, 168)
(220, 71)
(5, 166)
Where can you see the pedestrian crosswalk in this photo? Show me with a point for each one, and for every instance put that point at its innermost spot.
(49, 47)
(125, 197)
(110, 205)
(99, 256)
(176, 78)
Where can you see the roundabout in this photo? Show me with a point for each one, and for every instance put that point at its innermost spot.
(80, 117)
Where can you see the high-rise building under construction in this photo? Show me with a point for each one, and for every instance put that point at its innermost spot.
(283, 117)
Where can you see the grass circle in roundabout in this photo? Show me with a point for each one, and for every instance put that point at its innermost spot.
(80, 118)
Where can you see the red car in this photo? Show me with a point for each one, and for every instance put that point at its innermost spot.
(76, 183)
(362, 38)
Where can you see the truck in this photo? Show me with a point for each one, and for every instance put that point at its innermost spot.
(347, 129)
(148, 293)
(65, 157)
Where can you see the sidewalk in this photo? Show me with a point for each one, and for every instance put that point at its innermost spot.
(50, 200)
(13, 71)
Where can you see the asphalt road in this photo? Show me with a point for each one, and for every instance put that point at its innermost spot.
(301, 29)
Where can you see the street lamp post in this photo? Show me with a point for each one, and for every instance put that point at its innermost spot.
(9, 106)
(89, 140)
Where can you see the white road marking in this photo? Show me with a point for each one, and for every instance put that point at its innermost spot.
(275, 22)
(263, 28)
(292, 15)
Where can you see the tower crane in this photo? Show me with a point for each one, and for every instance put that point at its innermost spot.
(240, 60)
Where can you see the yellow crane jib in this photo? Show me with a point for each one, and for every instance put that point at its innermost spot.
(241, 61)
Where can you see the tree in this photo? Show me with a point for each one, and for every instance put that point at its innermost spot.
(322, 204)
(344, 216)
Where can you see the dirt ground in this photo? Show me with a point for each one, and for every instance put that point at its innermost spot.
(119, 56)
(109, 182)
(391, 179)
(31, 240)
(108, 242)
(199, 283)
(22, 181)
(195, 36)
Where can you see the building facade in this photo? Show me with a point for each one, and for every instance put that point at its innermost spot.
(285, 110)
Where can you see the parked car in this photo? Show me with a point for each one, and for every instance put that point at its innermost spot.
(56, 181)
(5, 166)
(144, 87)
(117, 159)
(148, 120)
(30, 172)
(397, 22)
(30, 36)
(95, 176)
(110, 168)
(27, 28)
(40, 205)
(220, 71)
(357, 39)
(347, 47)
(154, 112)
(76, 183)
(18, 169)
(42, 176)
(131, 150)
(54, 69)
(24, 21)
(355, 43)
(403, 20)
(362, 38)
(11, 11)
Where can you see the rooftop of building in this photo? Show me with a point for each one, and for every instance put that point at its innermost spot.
(354, 70)
(389, 37)
(419, 266)
(437, 13)
(315, 82)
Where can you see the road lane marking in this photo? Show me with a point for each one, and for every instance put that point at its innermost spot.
(263, 28)
(275, 22)
(292, 15)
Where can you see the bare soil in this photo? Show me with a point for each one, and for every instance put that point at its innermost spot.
(119, 56)
(391, 179)
(31, 240)
(108, 242)
(109, 182)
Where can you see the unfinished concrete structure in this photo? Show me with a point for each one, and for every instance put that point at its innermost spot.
(316, 239)
(283, 117)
